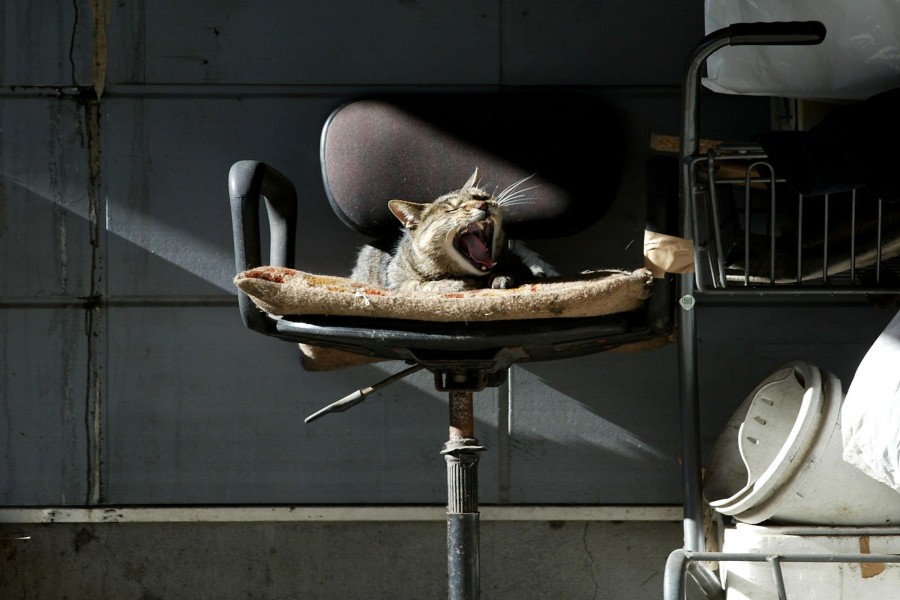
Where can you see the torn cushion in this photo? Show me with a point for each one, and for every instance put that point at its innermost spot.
(667, 254)
(282, 291)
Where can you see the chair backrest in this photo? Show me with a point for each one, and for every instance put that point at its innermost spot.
(420, 146)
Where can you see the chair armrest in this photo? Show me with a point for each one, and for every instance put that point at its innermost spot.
(248, 181)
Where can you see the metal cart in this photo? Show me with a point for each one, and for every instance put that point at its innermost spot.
(755, 236)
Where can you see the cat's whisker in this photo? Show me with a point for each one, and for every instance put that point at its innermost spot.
(513, 190)
(512, 197)
(508, 205)
(519, 197)
(517, 193)
(522, 202)
(506, 198)
(512, 187)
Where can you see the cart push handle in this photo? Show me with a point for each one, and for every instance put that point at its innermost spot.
(777, 33)
(794, 33)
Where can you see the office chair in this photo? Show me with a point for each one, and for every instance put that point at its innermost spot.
(418, 147)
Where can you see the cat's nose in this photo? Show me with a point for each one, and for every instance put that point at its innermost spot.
(482, 206)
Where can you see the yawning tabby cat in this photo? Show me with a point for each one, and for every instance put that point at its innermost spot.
(454, 243)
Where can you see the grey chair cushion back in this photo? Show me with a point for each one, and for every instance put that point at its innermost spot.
(420, 146)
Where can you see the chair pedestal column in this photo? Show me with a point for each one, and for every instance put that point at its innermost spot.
(461, 453)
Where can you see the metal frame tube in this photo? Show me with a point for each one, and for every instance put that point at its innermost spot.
(738, 34)
(687, 349)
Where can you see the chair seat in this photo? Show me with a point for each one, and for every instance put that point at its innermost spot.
(482, 351)
(555, 317)
(537, 339)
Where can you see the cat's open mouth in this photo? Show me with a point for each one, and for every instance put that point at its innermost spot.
(476, 242)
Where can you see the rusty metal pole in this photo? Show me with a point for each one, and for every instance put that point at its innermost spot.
(461, 453)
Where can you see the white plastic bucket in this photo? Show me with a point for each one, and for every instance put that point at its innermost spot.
(819, 580)
(779, 458)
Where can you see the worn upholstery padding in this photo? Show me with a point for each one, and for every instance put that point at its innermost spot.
(282, 291)
(320, 358)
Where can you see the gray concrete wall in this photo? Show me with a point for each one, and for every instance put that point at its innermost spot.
(348, 560)
(127, 378)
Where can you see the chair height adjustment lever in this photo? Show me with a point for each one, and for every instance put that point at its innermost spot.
(358, 396)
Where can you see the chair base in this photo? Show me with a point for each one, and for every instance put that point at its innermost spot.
(461, 453)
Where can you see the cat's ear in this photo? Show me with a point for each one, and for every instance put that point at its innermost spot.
(472, 181)
(409, 213)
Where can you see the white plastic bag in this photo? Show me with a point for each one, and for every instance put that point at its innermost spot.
(859, 57)
(870, 415)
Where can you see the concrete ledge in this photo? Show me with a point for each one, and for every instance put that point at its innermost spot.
(331, 513)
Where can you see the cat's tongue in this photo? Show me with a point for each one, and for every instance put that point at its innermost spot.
(477, 251)
(476, 248)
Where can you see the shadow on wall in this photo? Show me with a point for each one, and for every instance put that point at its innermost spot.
(167, 398)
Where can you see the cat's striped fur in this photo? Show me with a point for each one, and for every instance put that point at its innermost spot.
(454, 243)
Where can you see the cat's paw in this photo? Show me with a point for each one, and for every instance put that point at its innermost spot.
(502, 282)
(538, 272)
